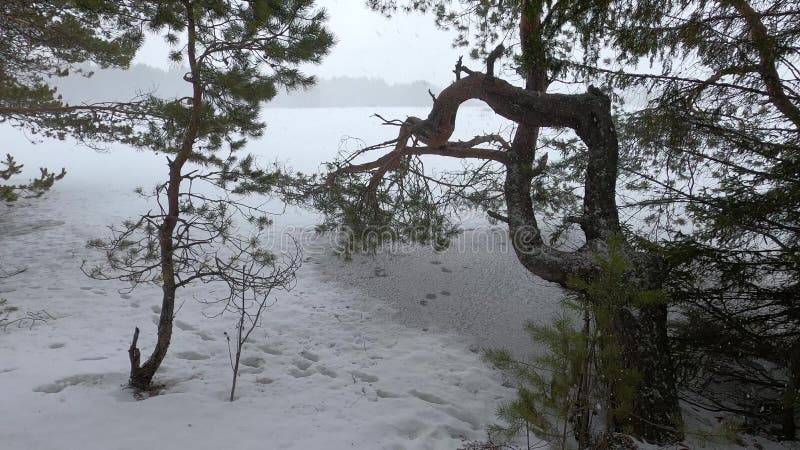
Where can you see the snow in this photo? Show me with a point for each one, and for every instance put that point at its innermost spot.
(377, 353)
(328, 368)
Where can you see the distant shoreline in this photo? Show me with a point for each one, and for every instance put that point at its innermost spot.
(337, 92)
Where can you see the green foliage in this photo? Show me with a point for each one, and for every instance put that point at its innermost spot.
(547, 387)
(34, 188)
(366, 213)
(239, 54)
(43, 39)
(581, 375)
(713, 160)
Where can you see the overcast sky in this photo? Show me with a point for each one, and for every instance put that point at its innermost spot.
(402, 49)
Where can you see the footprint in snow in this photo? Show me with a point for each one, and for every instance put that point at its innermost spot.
(191, 356)
(205, 336)
(93, 358)
(446, 270)
(301, 364)
(309, 356)
(380, 272)
(270, 350)
(253, 361)
(386, 394)
(74, 380)
(183, 325)
(365, 377)
(409, 429)
(125, 296)
(426, 397)
(297, 373)
(156, 309)
(327, 372)
(445, 293)
(430, 296)
(436, 263)
(86, 288)
(56, 345)
(464, 416)
(456, 433)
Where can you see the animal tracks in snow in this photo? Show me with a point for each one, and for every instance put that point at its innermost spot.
(327, 372)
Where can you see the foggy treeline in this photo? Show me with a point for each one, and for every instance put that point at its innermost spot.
(121, 85)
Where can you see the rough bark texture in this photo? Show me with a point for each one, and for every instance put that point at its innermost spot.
(792, 391)
(656, 415)
(141, 376)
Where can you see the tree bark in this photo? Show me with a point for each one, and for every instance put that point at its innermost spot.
(791, 395)
(656, 415)
(643, 328)
(141, 376)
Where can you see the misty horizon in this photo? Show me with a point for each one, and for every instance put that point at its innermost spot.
(337, 91)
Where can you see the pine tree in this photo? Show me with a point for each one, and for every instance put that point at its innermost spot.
(393, 196)
(579, 388)
(713, 158)
(238, 54)
(43, 39)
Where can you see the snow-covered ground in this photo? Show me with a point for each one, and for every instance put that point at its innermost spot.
(329, 367)
(378, 353)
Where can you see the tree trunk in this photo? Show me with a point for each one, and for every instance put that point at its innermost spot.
(589, 115)
(791, 395)
(656, 415)
(642, 330)
(142, 376)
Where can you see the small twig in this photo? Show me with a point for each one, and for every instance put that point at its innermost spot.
(31, 317)
(395, 122)
(432, 96)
